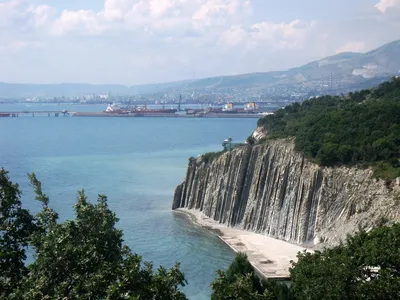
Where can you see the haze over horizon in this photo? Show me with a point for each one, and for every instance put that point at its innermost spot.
(134, 42)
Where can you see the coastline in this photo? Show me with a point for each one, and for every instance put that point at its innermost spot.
(269, 257)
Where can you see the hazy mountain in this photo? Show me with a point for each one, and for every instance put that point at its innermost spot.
(21, 90)
(343, 71)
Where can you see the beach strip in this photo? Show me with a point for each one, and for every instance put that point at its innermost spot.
(270, 257)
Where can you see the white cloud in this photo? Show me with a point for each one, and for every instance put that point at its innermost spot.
(117, 9)
(13, 12)
(175, 37)
(159, 8)
(384, 5)
(42, 14)
(282, 35)
(233, 36)
(81, 21)
(275, 36)
(216, 11)
(355, 46)
(168, 17)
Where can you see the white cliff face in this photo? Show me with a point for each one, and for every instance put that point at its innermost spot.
(259, 133)
(276, 191)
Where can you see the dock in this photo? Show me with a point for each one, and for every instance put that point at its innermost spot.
(64, 113)
(33, 113)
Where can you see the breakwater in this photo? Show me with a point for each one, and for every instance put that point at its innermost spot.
(273, 190)
(127, 115)
(165, 115)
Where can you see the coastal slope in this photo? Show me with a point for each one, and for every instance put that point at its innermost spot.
(276, 191)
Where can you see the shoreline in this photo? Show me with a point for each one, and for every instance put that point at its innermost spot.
(269, 257)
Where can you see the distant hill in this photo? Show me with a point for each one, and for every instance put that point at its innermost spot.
(343, 71)
(347, 70)
(21, 90)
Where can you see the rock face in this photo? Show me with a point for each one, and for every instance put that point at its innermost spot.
(274, 190)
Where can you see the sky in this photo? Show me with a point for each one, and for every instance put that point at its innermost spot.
(147, 41)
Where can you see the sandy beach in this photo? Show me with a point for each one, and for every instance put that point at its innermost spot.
(270, 257)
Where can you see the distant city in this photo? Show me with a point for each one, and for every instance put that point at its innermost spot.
(335, 75)
(272, 97)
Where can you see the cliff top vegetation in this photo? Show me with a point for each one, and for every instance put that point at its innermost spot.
(361, 128)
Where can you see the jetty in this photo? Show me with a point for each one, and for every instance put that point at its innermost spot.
(33, 113)
(66, 113)
(250, 110)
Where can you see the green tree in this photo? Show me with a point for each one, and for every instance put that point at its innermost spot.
(78, 259)
(361, 128)
(367, 267)
(16, 225)
(240, 282)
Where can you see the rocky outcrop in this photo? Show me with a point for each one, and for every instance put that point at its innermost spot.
(274, 190)
(259, 134)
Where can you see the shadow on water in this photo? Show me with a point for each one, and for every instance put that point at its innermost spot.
(205, 253)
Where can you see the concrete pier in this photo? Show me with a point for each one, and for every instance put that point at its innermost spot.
(127, 115)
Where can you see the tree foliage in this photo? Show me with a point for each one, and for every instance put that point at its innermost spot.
(366, 267)
(16, 226)
(361, 128)
(85, 258)
(78, 259)
(240, 282)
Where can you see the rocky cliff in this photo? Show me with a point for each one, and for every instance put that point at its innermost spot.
(274, 190)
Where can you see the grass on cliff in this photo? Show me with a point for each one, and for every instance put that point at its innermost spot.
(362, 128)
(210, 156)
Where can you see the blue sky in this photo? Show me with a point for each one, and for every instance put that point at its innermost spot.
(144, 41)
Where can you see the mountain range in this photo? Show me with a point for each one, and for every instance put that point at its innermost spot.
(344, 69)
(340, 72)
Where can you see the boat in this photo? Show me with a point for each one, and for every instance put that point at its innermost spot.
(194, 111)
(144, 110)
(251, 107)
(266, 113)
(112, 108)
(228, 107)
(4, 115)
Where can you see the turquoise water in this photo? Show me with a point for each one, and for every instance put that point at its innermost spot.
(137, 162)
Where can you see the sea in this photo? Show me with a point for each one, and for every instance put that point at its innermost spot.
(137, 163)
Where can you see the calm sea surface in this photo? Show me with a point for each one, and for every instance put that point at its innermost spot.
(136, 162)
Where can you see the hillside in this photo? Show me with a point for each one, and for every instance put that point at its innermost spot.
(339, 73)
(17, 90)
(348, 70)
(362, 128)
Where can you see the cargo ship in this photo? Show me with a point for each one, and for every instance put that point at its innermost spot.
(145, 111)
(139, 111)
(4, 115)
(249, 108)
(229, 108)
(113, 108)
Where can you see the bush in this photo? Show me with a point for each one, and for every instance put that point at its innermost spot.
(240, 282)
(82, 258)
(366, 267)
